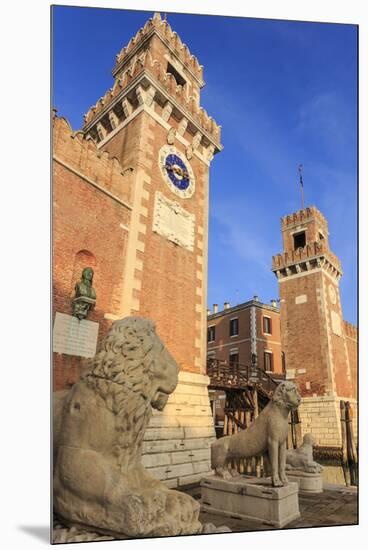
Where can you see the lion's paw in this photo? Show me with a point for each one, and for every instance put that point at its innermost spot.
(276, 482)
(223, 473)
(182, 507)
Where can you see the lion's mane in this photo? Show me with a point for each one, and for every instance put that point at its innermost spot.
(122, 374)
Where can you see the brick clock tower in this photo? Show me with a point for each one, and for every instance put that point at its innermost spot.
(315, 339)
(151, 121)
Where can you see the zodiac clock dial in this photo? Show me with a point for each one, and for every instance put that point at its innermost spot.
(176, 171)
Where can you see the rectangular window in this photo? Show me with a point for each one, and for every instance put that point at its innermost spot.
(267, 325)
(234, 358)
(211, 334)
(299, 240)
(234, 327)
(268, 361)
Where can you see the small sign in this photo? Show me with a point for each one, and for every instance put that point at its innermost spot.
(74, 337)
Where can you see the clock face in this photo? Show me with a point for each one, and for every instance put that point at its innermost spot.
(332, 294)
(176, 171)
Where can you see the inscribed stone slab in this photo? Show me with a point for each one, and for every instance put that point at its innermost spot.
(74, 337)
(173, 222)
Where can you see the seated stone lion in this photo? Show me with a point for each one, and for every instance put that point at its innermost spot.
(266, 435)
(302, 458)
(99, 481)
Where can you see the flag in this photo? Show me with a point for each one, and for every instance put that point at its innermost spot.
(300, 167)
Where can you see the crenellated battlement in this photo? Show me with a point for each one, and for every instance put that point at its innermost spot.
(313, 255)
(351, 330)
(302, 216)
(81, 154)
(171, 38)
(156, 71)
(145, 63)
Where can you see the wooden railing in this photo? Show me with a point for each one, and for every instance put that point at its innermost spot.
(227, 375)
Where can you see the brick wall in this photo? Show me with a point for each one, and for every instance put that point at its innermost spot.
(304, 333)
(269, 342)
(351, 339)
(171, 280)
(225, 343)
(87, 231)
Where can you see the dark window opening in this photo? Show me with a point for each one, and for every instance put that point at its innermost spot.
(321, 237)
(299, 240)
(268, 361)
(179, 79)
(267, 325)
(211, 334)
(233, 358)
(234, 327)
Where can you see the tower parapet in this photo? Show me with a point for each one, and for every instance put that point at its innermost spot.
(306, 247)
(156, 72)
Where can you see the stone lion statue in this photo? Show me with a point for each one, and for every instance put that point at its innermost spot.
(99, 481)
(266, 435)
(302, 458)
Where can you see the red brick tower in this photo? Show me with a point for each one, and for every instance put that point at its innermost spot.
(149, 128)
(312, 326)
(152, 122)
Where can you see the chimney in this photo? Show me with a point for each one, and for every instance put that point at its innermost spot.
(255, 298)
(208, 311)
(226, 305)
(274, 303)
(215, 308)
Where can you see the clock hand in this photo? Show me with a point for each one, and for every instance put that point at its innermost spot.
(177, 170)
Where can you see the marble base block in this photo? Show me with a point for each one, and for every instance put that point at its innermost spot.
(307, 483)
(251, 498)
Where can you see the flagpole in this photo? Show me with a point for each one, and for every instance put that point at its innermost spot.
(300, 168)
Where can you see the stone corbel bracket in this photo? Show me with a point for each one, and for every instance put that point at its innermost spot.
(142, 93)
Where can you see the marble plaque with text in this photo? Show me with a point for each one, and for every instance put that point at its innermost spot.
(173, 222)
(74, 337)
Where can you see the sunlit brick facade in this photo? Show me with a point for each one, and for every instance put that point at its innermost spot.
(320, 347)
(131, 201)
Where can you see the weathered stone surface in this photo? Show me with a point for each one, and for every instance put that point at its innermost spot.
(250, 498)
(267, 434)
(302, 458)
(99, 480)
(307, 482)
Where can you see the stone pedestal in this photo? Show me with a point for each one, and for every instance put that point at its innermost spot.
(177, 443)
(307, 483)
(250, 498)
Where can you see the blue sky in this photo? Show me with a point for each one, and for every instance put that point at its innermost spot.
(284, 93)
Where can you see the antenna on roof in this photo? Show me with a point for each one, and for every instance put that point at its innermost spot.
(300, 170)
(237, 295)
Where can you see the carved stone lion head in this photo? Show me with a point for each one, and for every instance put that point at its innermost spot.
(133, 373)
(287, 395)
(133, 357)
(308, 440)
